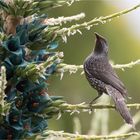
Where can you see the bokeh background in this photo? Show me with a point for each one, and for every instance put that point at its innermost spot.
(123, 35)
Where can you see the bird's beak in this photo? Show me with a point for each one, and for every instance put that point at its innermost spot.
(100, 44)
(99, 37)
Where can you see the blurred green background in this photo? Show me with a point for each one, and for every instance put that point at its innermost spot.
(124, 46)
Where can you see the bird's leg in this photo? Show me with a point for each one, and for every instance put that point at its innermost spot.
(90, 103)
(95, 99)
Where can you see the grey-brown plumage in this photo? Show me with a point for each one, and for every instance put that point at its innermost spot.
(103, 78)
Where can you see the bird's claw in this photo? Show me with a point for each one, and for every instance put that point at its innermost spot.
(90, 106)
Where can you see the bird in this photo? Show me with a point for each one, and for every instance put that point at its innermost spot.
(102, 77)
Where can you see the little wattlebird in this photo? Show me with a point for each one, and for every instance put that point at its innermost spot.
(103, 78)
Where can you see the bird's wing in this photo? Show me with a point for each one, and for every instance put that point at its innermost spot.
(113, 80)
(108, 76)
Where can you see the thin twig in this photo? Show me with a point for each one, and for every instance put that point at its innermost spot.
(61, 134)
(84, 106)
(74, 68)
(129, 65)
(73, 29)
(61, 20)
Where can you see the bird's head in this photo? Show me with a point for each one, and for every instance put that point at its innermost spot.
(101, 46)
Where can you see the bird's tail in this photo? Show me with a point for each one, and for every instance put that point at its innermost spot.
(120, 104)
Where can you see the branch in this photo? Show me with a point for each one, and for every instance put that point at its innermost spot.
(60, 20)
(129, 65)
(61, 68)
(74, 68)
(76, 28)
(61, 134)
(86, 107)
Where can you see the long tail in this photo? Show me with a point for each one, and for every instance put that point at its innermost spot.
(120, 104)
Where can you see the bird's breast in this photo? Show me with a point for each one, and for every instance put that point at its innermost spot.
(96, 83)
(94, 63)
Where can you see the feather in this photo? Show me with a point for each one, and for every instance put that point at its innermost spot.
(120, 104)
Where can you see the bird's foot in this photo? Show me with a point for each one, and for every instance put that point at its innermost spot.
(93, 101)
(90, 106)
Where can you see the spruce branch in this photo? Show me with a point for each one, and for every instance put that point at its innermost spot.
(96, 21)
(61, 134)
